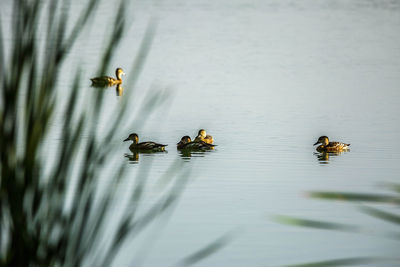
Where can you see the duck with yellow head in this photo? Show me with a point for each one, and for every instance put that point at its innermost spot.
(327, 146)
(107, 80)
(203, 136)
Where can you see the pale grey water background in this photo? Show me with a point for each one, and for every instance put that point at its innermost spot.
(266, 79)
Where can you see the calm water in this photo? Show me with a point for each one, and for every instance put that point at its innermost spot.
(266, 79)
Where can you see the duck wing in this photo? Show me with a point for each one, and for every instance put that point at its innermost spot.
(337, 145)
(198, 145)
(149, 145)
(103, 81)
(209, 139)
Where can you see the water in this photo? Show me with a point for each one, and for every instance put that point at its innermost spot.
(266, 79)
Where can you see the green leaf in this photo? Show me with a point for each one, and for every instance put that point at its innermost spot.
(360, 197)
(338, 262)
(314, 224)
(386, 216)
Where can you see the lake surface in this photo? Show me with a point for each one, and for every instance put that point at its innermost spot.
(266, 79)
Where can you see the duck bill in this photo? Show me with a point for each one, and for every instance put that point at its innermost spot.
(127, 139)
(316, 143)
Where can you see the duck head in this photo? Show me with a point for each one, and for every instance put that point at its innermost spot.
(119, 72)
(324, 140)
(184, 140)
(133, 137)
(202, 133)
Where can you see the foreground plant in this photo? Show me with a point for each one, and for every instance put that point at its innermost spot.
(39, 224)
(391, 200)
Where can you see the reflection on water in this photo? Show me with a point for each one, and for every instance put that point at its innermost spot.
(119, 90)
(134, 157)
(186, 154)
(105, 86)
(323, 157)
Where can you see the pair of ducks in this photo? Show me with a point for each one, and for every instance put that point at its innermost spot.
(201, 142)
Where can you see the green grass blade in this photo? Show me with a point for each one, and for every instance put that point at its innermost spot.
(206, 251)
(338, 262)
(383, 215)
(315, 224)
(359, 197)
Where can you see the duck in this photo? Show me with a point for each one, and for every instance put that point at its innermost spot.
(203, 136)
(187, 143)
(108, 81)
(327, 146)
(143, 146)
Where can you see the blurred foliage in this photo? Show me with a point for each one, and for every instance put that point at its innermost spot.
(41, 222)
(206, 251)
(338, 262)
(391, 200)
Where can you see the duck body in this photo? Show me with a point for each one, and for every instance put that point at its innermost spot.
(144, 146)
(187, 144)
(204, 137)
(198, 145)
(107, 80)
(147, 146)
(327, 146)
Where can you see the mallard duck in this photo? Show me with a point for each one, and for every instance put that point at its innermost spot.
(187, 143)
(202, 136)
(108, 81)
(327, 146)
(143, 146)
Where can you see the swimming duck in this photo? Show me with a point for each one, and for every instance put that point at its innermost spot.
(187, 143)
(143, 146)
(327, 146)
(203, 136)
(108, 81)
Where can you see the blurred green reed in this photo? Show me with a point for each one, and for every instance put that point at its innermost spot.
(389, 200)
(39, 226)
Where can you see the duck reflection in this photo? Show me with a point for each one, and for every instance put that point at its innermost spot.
(187, 154)
(134, 157)
(119, 90)
(323, 157)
